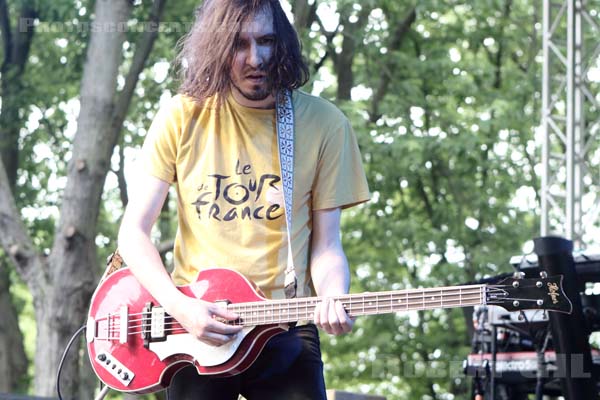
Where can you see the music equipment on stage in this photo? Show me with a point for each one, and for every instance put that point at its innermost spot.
(517, 366)
(515, 354)
(587, 268)
(518, 371)
(587, 265)
(135, 346)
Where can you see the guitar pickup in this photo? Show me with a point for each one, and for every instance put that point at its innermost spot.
(153, 324)
(157, 323)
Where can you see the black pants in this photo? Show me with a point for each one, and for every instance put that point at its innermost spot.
(289, 368)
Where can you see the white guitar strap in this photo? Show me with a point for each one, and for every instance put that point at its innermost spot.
(285, 141)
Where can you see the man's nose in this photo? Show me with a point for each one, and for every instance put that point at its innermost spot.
(255, 57)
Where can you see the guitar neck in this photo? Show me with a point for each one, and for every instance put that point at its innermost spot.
(292, 310)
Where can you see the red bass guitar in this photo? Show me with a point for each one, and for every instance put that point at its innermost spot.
(135, 346)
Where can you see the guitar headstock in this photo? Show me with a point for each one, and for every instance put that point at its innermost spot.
(544, 293)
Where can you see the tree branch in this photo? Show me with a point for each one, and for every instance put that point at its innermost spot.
(328, 37)
(425, 198)
(23, 35)
(14, 238)
(345, 60)
(304, 14)
(121, 177)
(5, 31)
(398, 38)
(320, 63)
(143, 47)
(142, 50)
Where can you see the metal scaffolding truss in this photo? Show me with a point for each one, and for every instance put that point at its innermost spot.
(571, 120)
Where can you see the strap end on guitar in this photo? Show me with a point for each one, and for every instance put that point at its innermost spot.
(114, 262)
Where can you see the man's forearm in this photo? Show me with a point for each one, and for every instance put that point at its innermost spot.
(145, 263)
(330, 273)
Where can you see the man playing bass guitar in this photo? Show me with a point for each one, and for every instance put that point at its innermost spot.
(216, 141)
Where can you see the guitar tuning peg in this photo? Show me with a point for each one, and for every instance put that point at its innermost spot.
(543, 274)
(519, 275)
(521, 316)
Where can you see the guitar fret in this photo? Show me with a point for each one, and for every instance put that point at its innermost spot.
(273, 312)
(363, 304)
(280, 311)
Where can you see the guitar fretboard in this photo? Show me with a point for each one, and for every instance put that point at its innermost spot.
(291, 310)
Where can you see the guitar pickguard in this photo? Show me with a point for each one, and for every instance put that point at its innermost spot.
(205, 354)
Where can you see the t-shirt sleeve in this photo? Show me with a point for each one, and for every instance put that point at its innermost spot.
(340, 177)
(159, 152)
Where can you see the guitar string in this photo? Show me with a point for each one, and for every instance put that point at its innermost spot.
(257, 317)
(274, 318)
(259, 321)
(291, 307)
(427, 296)
(264, 319)
(360, 297)
(267, 315)
(352, 299)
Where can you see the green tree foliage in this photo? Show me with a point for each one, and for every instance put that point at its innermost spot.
(443, 97)
(446, 131)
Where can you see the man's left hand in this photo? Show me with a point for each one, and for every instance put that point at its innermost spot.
(330, 316)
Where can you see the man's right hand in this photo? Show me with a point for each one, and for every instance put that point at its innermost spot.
(200, 318)
(203, 320)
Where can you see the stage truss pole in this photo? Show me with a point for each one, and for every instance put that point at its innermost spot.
(570, 120)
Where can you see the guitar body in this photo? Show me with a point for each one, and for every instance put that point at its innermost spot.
(126, 359)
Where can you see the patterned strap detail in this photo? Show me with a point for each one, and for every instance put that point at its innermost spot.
(285, 140)
(114, 262)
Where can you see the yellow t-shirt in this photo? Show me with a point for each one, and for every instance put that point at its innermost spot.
(225, 162)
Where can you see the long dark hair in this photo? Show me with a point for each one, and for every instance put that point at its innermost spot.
(207, 51)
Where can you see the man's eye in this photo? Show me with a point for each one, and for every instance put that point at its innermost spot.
(267, 41)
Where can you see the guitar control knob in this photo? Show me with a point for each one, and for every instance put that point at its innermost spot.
(125, 376)
(102, 357)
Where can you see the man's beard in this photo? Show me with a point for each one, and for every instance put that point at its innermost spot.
(257, 93)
